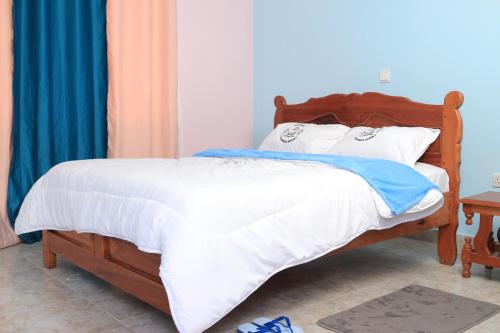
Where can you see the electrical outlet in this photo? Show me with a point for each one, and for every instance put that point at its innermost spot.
(496, 180)
(384, 76)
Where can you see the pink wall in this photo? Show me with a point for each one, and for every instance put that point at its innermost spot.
(215, 74)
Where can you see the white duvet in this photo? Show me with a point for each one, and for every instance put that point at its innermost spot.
(222, 226)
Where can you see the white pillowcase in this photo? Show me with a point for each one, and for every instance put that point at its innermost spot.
(304, 138)
(401, 144)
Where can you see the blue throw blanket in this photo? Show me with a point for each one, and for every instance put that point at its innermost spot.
(400, 186)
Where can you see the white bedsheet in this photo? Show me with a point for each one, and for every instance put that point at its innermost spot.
(222, 226)
(437, 176)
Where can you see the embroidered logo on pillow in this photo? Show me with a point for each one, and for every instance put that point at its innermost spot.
(290, 134)
(368, 134)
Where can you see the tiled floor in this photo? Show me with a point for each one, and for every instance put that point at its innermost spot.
(67, 299)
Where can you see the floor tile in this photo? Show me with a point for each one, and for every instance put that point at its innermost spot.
(151, 322)
(19, 299)
(88, 285)
(21, 272)
(6, 326)
(70, 316)
(115, 327)
(121, 305)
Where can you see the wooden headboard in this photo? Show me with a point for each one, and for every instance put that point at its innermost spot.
(377, 110)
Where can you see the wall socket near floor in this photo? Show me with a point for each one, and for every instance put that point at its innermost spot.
(496, 180)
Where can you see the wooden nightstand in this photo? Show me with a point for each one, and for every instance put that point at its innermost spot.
(486, 250)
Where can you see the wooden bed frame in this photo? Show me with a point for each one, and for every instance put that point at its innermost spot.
(137, 273)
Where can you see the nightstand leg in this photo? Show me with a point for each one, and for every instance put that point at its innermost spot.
(466, 257)
(491, 247)
(482, 240)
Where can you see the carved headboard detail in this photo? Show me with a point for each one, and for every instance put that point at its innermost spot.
(378, 110)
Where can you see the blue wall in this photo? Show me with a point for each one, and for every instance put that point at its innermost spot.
(305, 48)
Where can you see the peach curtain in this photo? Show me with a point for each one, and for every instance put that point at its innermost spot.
(142, 98)
(7, 236)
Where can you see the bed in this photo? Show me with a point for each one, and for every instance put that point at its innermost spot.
(122, 264)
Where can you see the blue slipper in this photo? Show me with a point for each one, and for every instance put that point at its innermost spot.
(266, 325)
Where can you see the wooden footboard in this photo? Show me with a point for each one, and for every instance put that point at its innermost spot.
(113, 260)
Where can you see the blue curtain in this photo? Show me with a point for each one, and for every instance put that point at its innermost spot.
(60, 90)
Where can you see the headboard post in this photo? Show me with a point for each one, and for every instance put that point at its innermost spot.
(279, 103)
(451, 147)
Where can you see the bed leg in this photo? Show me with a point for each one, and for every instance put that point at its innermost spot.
(49, 257)
(447, 244)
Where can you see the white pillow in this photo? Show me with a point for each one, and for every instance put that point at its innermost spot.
(304, 138)
(401, 144)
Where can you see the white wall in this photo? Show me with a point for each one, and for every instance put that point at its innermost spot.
(215, 74)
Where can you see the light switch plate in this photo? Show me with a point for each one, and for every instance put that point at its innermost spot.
(496, 180)
(384, 76)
